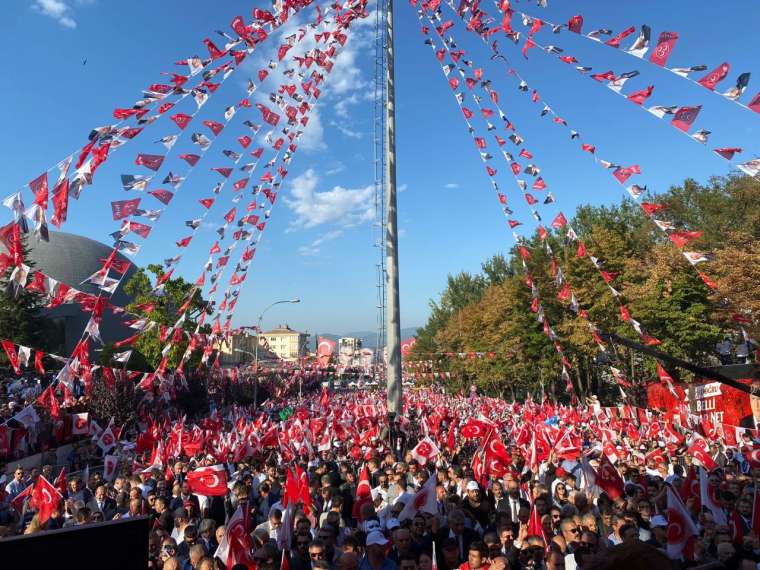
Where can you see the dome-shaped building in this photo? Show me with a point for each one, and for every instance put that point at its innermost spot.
(71, 259)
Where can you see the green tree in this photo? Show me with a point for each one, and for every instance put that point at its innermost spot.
(21, 318)
(492, 312)
(163, 310)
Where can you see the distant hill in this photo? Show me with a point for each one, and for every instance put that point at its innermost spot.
(369, 338)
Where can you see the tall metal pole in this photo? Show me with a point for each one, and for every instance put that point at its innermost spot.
(393, 373)
(256, 366)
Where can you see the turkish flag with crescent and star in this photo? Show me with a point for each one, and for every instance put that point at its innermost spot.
(80, 423)
(208, 481)
(363, 494)
(681, 529)
(608, 479)
(698, 450)
(45, 498)
(425, 450)
(424, 500)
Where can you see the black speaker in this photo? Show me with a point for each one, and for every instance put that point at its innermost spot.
(118, 545)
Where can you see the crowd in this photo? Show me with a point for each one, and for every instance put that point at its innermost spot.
(457, 483)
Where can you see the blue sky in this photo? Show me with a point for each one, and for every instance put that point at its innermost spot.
(318, 245)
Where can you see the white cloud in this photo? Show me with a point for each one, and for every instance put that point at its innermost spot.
(346, 131)
(451, 185)
(401, 232)
(341, 107)
(313, 137)
(402, 188)
(343, 87)
(337, 169)
(56, 9)
(313, 249)
(343, 206)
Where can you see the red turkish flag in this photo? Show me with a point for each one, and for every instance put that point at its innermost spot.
(407, 346)
(473, 429)
(45, 498)
(424, 451)
(60, 481)
(699, 451)
(48, 401)
(424, 500)
(753, 457)
(80, 423)
(10, 350)
(559, 221)
(208, 481)
(608, 479)
(363, 493)
(681, 529)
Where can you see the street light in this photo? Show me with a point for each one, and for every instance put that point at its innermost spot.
(256, 348)
(244, 351)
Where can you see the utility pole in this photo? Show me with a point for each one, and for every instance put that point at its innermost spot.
(393, 370)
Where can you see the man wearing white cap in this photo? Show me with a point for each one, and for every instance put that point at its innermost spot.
(475, 507)
(375, 557)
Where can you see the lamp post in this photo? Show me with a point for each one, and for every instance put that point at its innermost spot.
(244, 351)
(256, 348)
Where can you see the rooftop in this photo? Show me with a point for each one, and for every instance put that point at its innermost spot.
(282, 329)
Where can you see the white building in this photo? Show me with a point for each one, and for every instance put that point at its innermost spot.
(285, 342)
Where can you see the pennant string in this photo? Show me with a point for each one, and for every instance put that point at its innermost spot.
(678, 237)
(642, 44)
(559, 223)
(536, 306)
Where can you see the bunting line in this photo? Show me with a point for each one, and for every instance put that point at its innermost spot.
(662, 51)
(679, 237)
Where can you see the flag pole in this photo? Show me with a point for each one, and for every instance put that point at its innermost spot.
(393, 346)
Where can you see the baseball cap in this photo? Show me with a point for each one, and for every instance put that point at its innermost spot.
(376, 537)
(392, 523)
(472, 486)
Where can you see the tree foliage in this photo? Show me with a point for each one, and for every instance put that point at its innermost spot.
(490, 311)
(21, 318)
(164, 310)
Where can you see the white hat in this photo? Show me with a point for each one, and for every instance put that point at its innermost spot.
(376, 537)
(371, 525)
(392, 523)
(658, 521)
(472, 486)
